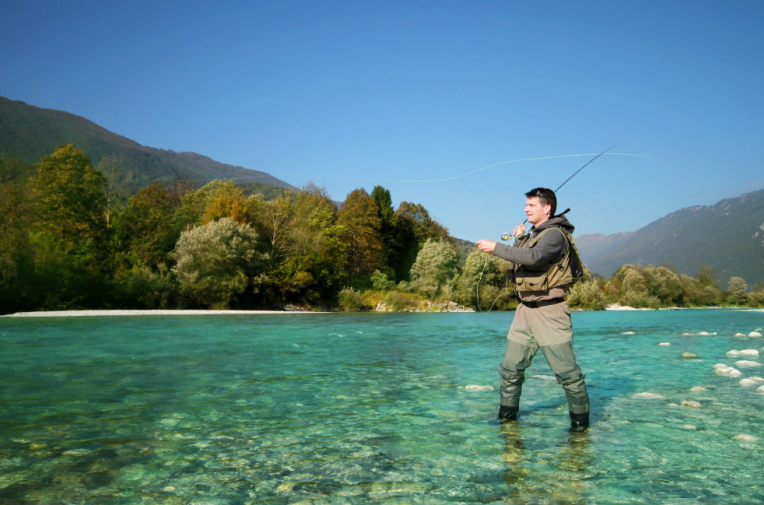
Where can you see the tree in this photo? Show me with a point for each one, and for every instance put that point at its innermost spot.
(69, 196)
(436, 264)
(360, 218)
(485, 281)
(217, 261)
(413, 227)
(144, 229)
(738, 291)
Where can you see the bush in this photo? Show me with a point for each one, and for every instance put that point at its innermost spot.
(152, 290)
(399, 302)
(351, 300)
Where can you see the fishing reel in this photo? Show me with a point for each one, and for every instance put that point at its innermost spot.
(507, 236)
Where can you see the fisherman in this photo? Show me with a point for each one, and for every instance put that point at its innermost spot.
(545, 263)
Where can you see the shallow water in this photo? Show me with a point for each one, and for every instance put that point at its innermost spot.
(372, 408)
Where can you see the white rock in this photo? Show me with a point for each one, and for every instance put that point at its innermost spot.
(754, 334)
(757, 379)
(740, 334)
(760, 389)
(689, 427)
(648, 396)
(627, 333)
(474, 387)
(689, 355)
(749, 352)
(704, 333)
(747, 382)
(746, 364)
(697, 389)
(727, 370)
(733, 352)
(665, 343)
(691, 403)
(745, 438)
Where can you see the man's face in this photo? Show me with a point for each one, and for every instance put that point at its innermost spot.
(536, 210)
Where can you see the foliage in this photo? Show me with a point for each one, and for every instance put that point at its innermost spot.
(350, 300)
(216, 262)
(738, 291)
(359, 216)
(435, 266)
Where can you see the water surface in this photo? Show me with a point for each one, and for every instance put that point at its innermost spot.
(372, 408)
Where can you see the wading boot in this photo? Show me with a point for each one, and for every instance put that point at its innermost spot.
(579, 420)
(507, 413)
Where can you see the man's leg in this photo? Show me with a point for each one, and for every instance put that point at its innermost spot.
(517, 357)
(562, 360)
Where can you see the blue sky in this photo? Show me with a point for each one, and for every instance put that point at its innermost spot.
(351, 94)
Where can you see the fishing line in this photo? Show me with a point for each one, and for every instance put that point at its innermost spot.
(511, 236)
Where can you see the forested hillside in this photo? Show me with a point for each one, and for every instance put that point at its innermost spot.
(28, 133)
(728, 236)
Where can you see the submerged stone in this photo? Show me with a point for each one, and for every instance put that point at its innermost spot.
(697, 389)
(746, 363)
(745, 438)
(648, 396)
(689, 355)
(754, 334)
(692, 404)
(475, 387)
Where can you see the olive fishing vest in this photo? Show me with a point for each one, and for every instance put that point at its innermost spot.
(566, 270)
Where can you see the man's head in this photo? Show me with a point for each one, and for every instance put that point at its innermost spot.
(540, 205)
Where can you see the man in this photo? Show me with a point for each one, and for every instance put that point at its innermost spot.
(545, 264)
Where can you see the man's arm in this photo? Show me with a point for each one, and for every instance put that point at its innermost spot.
(548, 249)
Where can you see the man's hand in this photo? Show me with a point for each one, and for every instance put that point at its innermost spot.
(487, 246)
(519, 230)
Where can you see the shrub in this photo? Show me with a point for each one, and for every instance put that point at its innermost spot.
(351, 300)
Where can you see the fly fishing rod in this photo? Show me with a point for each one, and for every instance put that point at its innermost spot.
(510, 236)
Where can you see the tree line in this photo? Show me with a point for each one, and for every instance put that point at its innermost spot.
(66, 242)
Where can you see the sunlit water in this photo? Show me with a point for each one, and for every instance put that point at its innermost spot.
(373, 408)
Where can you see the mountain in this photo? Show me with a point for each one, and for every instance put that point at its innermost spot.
(29, 133)
(729, 236)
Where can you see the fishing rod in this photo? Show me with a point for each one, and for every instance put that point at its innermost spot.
(510, 236)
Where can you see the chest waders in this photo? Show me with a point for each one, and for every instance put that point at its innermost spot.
(544, 325)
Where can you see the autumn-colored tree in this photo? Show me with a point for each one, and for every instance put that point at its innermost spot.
(360, 218)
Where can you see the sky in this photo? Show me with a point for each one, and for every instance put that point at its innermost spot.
(461, 106)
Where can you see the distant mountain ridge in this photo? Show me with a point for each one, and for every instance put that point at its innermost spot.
(729, 236)
(29, 133)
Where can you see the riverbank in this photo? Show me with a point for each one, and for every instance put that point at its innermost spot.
(102, 313)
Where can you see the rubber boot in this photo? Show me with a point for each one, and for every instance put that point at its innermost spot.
(507, 413)
(579, 420)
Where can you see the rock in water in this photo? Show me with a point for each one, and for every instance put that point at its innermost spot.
(746, 364)
(745, 438)
(474, 387)
(754, 334)
(648, 396)
(689, 355)
(692, 404)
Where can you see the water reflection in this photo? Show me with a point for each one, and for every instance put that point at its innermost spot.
(552, 474)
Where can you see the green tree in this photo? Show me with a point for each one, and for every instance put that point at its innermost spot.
(218, 261)
(485, 283)
(412, 229)
(738, 291)
(144, 229)
(435, 266)
(69, 196)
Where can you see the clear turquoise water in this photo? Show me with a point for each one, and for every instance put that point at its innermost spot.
(371, 408)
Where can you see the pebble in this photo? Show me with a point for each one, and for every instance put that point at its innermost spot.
(689, 427)
(733, 352)
(691, 403)
(746, 364)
